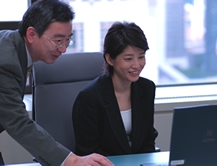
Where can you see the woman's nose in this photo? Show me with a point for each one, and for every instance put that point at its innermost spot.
(136, 64)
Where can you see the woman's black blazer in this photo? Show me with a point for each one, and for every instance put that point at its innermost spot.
(98, 124)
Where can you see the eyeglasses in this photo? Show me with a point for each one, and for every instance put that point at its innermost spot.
(60, 43)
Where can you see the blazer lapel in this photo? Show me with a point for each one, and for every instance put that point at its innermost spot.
(113, 114)
(139, 117)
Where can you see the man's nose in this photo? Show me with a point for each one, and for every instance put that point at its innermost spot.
(63, 48)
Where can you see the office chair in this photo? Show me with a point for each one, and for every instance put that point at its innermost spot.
(55, 87)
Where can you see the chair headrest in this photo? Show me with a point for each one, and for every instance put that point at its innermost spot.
(70, 67)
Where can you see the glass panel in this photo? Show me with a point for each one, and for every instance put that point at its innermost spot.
(181, 35)
(12, 10)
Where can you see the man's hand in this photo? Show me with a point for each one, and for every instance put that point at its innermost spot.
(90, 160)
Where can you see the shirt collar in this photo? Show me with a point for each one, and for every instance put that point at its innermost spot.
(29, 58)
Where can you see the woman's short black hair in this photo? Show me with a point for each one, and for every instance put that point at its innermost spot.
(119, 36)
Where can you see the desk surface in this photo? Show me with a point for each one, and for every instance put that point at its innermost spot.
(127, 160)
(137, 159)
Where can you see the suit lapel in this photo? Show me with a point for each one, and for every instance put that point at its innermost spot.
(139, 117)
(113, 114)
(22, 55)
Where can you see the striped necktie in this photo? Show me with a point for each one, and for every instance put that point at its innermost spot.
(29, 69)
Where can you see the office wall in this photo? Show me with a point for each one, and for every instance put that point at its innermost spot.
(13, 153)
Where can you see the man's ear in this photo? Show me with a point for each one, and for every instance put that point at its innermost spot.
(31, 34)
(109, 60)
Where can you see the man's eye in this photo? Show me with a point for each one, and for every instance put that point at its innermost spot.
(58, 41)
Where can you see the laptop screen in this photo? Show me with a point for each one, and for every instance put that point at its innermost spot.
(194, 136)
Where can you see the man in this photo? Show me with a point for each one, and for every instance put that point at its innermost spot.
(44, 34)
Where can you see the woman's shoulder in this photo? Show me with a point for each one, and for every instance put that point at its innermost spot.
(145, 85)
(145, 81)
(95, 84)
(93, 89)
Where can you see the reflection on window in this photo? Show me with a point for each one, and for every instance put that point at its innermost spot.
(181, 35)
(104, 26)
(78, 39)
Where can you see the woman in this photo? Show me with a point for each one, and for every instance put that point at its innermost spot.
(113, 114)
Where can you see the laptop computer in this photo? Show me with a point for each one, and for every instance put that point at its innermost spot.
(193, 137)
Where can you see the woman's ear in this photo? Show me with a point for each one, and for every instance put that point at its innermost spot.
(109, 60)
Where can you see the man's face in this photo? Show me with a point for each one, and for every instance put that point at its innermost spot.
(52, 43)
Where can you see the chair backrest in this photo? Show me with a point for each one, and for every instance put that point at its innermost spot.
(55, 87)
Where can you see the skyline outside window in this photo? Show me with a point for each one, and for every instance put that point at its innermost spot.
(180, 36)
(181, 33)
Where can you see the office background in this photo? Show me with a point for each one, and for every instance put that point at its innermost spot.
(181, 60)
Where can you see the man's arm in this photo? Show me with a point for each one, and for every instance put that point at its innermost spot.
(15, 120)
(93, 160)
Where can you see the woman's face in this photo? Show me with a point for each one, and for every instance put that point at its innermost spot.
(128, 65)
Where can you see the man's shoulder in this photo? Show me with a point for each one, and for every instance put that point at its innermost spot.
(10, 37)
(5, 33)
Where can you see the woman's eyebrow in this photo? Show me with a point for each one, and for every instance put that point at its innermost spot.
(128, 54)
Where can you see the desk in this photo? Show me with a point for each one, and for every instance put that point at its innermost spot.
(137, 159)
(27, 164)
(128, 160)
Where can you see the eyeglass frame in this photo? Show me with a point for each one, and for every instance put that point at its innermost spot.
(60, 44)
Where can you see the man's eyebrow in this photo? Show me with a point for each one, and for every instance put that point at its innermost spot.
(61, 35)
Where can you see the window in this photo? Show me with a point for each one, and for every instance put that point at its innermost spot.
(12, 10)
(9, 19)
(181, 35)
(78, 33)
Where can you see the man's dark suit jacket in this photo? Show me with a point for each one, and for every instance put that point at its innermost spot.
(13, 115)
(98, 124)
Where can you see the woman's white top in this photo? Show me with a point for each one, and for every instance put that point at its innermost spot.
(127, 121)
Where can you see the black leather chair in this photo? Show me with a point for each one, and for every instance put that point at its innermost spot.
(55, 87)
